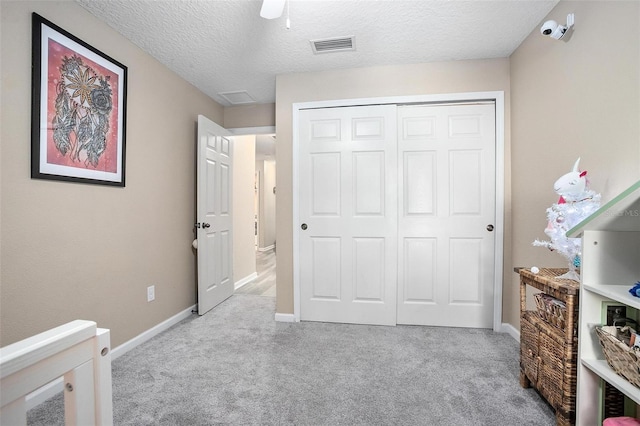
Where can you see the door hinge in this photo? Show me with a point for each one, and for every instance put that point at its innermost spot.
(196, 225)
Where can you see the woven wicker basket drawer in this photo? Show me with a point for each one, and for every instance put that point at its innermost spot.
(551, 370)
(552, 356)
(529, 347)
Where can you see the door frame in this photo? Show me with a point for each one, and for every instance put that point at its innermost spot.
(496, 96)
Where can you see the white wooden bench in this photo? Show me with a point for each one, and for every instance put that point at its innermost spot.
(80, 353)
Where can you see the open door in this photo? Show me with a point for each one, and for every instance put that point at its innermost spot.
(214, 220)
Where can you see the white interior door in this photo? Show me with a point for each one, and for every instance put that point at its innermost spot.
(214, 227)
(348, 214)
(447, 206)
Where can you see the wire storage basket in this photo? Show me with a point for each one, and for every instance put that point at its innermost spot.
(624, 360)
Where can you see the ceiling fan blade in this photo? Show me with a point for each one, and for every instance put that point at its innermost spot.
(272, 9)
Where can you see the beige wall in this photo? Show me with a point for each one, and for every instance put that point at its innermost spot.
(267, 219)
(568, 100)
(77, 251)
(401, 80)
(244, 252)
(259, 115)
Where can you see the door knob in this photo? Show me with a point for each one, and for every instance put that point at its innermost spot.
(489, 228)
(303, 226)
(206, 225)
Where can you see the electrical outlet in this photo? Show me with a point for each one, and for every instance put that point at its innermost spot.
(151, 293)
(614, 312)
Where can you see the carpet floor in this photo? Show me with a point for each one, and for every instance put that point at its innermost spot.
(236, 365)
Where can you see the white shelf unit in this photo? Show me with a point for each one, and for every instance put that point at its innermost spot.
(610, 267)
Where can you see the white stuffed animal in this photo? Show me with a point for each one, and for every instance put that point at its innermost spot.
(571, 186)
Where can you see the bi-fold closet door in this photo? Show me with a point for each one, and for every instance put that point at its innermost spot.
(396, 205)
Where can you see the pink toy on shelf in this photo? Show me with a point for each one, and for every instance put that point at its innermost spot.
(620, 421)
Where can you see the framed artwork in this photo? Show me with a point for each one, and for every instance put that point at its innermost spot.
(79, 101)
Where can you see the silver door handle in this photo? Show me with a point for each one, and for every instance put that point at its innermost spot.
(303, 226)
(489, 228)
(206, 225)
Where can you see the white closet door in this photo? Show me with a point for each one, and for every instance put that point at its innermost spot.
(446, 207)
(348, 214)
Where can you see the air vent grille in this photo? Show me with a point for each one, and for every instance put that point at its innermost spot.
(334, 44)
(237, 98)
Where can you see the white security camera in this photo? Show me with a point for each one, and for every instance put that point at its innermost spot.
(554, 30)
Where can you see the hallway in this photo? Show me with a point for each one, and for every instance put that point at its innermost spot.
(265, 282)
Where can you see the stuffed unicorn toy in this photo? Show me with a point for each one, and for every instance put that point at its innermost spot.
(576, 202)
(571, 186)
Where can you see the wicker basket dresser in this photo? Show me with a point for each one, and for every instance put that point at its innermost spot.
(548, 353)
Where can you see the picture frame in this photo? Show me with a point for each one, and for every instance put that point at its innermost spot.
(79, 101)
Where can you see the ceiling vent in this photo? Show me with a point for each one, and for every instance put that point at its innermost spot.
(334, 44)
(238, 98)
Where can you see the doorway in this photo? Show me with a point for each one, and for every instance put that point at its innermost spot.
(260, 221)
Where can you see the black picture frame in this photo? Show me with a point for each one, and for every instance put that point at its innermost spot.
(79, 109)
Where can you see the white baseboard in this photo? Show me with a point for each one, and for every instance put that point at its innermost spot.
(152, 332)
(510, 330)
(39, 396)
(245, 280)
(263, 249)
(285, 317)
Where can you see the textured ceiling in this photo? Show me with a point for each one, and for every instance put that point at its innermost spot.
(224, 45)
